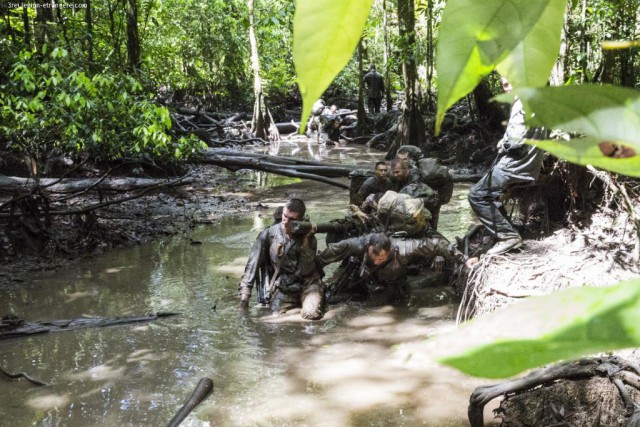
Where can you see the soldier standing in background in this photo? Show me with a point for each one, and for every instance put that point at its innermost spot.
(374, 83)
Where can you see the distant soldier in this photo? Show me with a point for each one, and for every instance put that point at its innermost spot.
(374, 83)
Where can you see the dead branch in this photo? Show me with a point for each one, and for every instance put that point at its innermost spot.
(25, 376)
(89, 208)
(202, 390)
(69, 185)
(32, 328)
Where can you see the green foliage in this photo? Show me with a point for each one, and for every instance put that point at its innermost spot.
(531, 61)
(325, 33)
(540, 330)
(200, 47)
(477, 36)
(47, 104)
(603, 113)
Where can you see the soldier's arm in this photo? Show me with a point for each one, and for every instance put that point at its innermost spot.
(340, 250)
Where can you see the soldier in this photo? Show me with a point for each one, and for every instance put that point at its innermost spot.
(429, 171)
(377, 184)
(408, 182)
(374, 83)
(516, 163)
(379, 263)
(292, 279)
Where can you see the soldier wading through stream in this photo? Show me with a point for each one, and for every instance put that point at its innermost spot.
(283, 266)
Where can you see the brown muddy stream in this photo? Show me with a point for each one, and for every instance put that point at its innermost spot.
(356, 367)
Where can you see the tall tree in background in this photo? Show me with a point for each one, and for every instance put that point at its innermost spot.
(411, 127)
(385, 55)
(362, 114)
(43, 31)
(133, 41)
(89, 37)
(431, 23)
(25, 20)
(262, 125)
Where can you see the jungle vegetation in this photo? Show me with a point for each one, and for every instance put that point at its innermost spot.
(96, 80)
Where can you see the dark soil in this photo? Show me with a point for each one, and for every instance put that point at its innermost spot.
(173, 211)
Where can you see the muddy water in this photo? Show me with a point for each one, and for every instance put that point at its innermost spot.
(345, 370)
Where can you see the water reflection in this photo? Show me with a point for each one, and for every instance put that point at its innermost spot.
(341, 371)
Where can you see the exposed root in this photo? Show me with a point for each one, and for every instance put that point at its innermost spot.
(591, 391)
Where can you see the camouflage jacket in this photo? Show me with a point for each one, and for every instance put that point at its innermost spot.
(404, 251)
(295, 256)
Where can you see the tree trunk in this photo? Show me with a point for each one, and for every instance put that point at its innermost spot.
(627, 15)
(411, 127)
(558, 71)
(115, 34)
(133, 42)
(7, 22)
(88, 20)
(584, 43)
(262, 125)
(43, 32)
(362, 114)
(25, 21)
(387, 79)
(62, 26)
(430, 101)
(489, 111)
(24, 329)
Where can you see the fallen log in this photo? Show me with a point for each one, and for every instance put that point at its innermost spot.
(277, 165)
(31, 328)
(202, 390)
(216, 153)
(69, 185)
(235, 160)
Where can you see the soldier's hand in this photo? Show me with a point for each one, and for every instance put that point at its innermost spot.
(438, 264)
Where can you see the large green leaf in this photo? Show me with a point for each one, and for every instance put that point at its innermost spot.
(531, 61)
(564, 325)
(587, 151)
(605, 114)
(474, 37)
(325, 34)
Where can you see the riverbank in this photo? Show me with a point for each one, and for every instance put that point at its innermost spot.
(214, 194)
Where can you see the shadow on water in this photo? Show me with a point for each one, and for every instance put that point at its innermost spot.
(345, 370)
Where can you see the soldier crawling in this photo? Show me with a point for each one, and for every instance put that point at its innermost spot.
(377, 264)
(285, 264)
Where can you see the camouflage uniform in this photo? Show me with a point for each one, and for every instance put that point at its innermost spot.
(374, 83)
(517, 163)
(293, 262)
(373, 185)
(386, 282)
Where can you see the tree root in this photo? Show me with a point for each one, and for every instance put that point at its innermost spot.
(621, 372)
